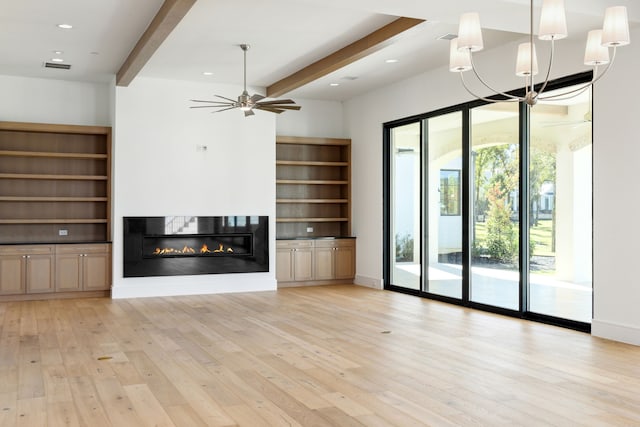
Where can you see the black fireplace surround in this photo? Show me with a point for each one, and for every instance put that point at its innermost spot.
(186, 245)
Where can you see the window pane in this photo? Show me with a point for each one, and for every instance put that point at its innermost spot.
(405, 206)
(444, 146)
(495, 174)
(560, 170)
(449, 192)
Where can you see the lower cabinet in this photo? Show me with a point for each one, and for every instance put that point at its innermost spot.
(26, 269)
(313, 261)
(47, 269)
(294, 260)
(83, 268)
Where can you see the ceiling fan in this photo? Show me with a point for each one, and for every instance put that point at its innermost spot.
(587, 118)
(248, 103)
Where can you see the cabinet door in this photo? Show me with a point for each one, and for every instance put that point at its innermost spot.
(95, 272)
(344, 266)
(68, 273)
(39, 274)
(324, 263)
(303, 264)
(284, 265)
(12, 274)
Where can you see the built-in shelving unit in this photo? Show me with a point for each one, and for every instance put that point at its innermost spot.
(313, 187)
(55, 224)
(55, 182)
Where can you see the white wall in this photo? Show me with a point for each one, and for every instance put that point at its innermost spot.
(616, 289)
(616, 206)
(314, 119)
(26, 99)
(159, 171)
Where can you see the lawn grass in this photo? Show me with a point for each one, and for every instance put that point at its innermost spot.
(541, 234)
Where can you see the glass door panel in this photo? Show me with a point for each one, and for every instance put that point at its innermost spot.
(444, 205)
(494, 235)
(405, 221)
(560, 209)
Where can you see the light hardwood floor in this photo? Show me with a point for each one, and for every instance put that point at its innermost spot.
(312, 356)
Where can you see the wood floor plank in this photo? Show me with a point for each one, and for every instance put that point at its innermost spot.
(309, 356)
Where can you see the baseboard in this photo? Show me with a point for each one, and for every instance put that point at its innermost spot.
(616, 332)
(368, 282)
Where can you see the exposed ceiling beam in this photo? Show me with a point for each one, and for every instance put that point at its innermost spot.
(169, 15)
(359, 49)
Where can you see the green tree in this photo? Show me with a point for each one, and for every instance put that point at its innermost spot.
(502, 239)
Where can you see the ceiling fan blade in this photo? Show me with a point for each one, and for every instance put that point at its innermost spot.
(269, 108)
(210, 106)
(210, 102)
(256, 97)
(225, 109)
(228, 99)
(285, 107)
(277, 101)
(249, 113)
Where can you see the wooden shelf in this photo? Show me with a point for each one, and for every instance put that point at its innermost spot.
(303, 140)
(327, 201)
(310, 182)
(52, 199)
(283, 220)
(309, 163)
(54, 221)
(54, 177)
(52, 155)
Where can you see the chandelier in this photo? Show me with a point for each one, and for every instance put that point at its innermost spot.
(553, 26)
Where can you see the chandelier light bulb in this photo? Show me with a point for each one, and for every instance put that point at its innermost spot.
(523, 60)
(553, 21)
(615, 30)
(595, 53)
(470, 32)
(459, 60)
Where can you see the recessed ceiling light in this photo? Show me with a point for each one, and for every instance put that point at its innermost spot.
(58, 52)
(391, 61)
(207, 73)
(57, 60)
(65, 26)
(334, 84)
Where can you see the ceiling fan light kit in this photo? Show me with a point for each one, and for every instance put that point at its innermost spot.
(247, 103)
(553, 26)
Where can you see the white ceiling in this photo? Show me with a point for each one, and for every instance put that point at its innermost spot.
(285, 35)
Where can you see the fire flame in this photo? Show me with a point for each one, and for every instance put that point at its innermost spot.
(189, 250)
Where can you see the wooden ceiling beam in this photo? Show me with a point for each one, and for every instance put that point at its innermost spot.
(169, 15)
(367, 45)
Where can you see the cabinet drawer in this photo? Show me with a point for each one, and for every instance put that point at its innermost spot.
(27, 250)
(292, 244)
(335, 243)
(93, 248)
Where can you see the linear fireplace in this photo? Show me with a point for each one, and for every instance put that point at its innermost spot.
(185, 245)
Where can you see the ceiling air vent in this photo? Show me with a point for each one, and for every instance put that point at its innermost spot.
(447, 36)
(57, 65)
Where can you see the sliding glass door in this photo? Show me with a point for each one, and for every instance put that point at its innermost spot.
(444, 205)
(489, 205)
(560, 180)
(495, 275)
(405, 194)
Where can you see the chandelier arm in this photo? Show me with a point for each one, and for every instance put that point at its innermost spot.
(583, 88)
(464, 83)
(475, 71)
